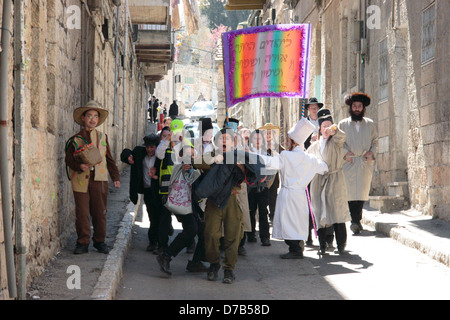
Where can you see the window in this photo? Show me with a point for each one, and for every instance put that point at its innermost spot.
(383, 71)
(428, 34)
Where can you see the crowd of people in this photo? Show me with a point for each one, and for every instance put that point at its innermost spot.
(156, 110)
(229, 183)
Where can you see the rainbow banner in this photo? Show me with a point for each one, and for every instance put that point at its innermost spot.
(266, 61)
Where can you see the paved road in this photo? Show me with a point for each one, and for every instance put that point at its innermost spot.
(376, 267)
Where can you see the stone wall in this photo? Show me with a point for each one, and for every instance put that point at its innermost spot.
(428, 113)
(65, 67)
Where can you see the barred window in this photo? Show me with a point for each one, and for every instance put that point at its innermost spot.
(428, 33)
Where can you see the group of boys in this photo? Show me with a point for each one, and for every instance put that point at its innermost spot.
(218, 224)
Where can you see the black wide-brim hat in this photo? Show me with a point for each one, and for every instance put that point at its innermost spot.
(357, 97)
(313, 101)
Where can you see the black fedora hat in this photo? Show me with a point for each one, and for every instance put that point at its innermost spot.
(206, 124)
(324, 115)
(231, 123)
(313, 101)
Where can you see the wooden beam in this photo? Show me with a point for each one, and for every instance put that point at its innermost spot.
(142, 51)
(147, 3)
(245, 2)
(154, 79)
(149, 14)
(152, 46)
(154, 60)
(153, 56)
(244, 7)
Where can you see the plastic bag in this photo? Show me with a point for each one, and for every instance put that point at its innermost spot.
(180, 188)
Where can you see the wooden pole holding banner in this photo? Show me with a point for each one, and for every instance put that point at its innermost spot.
(303, 109)
(224, 81)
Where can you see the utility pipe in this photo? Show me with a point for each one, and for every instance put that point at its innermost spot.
(362, 83)
(4, 172)
(125, 66)
(116, 46)
(138, 106)
(19, 150)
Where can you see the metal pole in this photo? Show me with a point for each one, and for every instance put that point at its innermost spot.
(125, 66)
(116, 46)
(19, 150)
(362, 83)
(4, 172)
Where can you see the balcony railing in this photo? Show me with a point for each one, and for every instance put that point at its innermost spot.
(153, 27)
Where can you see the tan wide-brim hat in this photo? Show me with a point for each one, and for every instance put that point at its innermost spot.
(91, 105)
(269, 126)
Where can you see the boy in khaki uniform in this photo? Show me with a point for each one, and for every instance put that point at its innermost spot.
(230, 218)
(90, 183)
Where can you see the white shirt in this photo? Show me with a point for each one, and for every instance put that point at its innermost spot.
(147, 164)
(323, 143)
(315, 123)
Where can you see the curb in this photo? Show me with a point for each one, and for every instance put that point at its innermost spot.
(410, 236)
(109, 279)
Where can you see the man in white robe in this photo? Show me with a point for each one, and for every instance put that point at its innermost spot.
(296, 169)
(360, 149)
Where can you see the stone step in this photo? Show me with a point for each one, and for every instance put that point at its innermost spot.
(398, 189)
(388, 204)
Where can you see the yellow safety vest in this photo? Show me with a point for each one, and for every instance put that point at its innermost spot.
(165, 172)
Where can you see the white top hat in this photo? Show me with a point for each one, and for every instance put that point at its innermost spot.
(301, 131)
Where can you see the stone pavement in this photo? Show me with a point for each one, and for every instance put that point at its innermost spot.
(411, 228)
(99, 273)
(429, 236)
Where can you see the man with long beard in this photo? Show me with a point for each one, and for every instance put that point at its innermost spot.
(360, 149)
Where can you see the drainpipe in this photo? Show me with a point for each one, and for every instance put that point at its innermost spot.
(19, 149)
(116, 46)
(138, 107)
(363, 51)
(125, 66)
(6, 196)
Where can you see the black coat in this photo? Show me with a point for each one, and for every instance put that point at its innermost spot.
(220, 179)
(137, 172)
(173, 110)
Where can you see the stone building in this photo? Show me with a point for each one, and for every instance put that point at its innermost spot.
(396, 52)
(194, 74)
(64, 53)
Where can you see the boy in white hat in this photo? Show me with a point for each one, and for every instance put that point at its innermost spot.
(296, 169)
